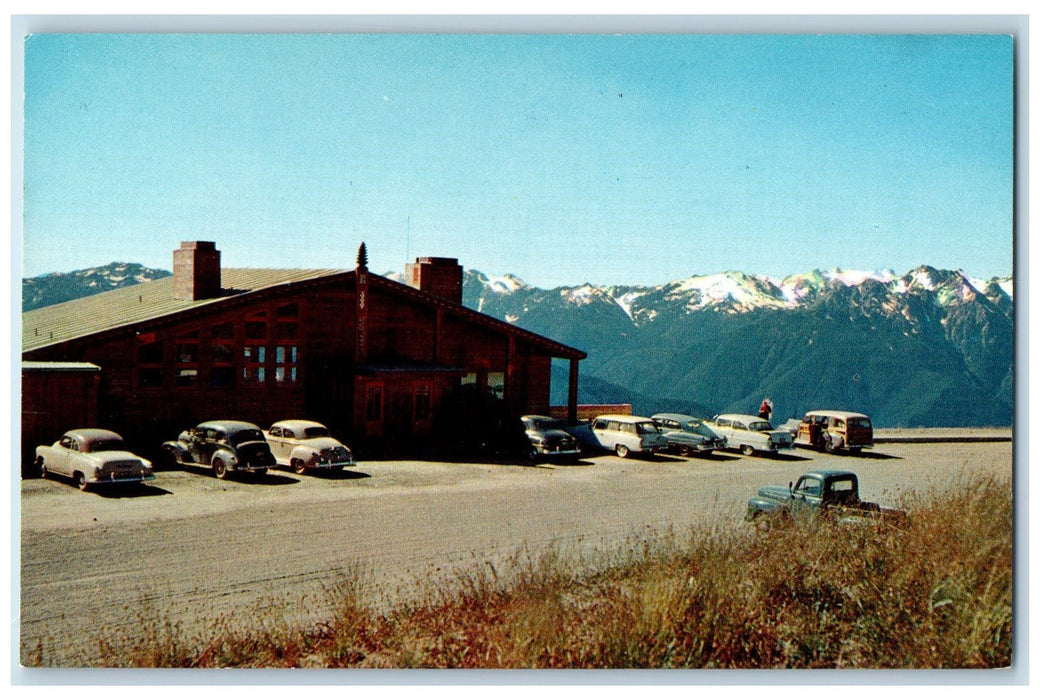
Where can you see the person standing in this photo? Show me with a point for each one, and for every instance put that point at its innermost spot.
(765, 411)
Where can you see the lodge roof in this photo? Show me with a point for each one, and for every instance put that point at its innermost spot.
(151, 301)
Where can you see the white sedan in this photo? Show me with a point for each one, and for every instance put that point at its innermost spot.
(303, 445)
(92, 457)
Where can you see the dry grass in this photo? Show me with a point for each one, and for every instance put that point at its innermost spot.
(933, 591)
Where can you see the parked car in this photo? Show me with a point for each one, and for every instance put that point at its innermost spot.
(226, 446)
(687, 435)
(751, 434)
(791, 426)
(816, 492)
(623, 434)
(92, 457)
(836, 430)
(549, 439)
(303, 445)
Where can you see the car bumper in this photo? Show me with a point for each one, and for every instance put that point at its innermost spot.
(252, 467)
(332, 465)
(550, 454)
(120, 479)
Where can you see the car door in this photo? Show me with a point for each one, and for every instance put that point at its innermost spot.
(61, 463)
(808, 493)
(276, 440)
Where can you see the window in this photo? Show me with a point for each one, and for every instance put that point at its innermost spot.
(288, 318)
(222, 343)
(186, 360)
(254, 358)
(285, 358)
(150, 377)
(149, 361)
(421, 403)
(809, 486)
(497, 383)
(150, 352)
(256, 326)
(374, 403)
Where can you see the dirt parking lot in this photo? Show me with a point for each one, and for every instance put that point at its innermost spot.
(194, 550)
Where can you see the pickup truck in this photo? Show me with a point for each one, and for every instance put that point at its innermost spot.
(815, 492)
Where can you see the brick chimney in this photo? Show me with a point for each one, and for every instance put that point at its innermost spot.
(196, 271)
(439, 276)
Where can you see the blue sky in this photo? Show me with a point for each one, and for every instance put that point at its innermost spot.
(627, 159)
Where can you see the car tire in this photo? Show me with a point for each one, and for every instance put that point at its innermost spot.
(747, 450)
(828, 447)
(685, 450)
(219, 468)
(41, 467)
(298, 466)
(260, 473)
(81, 481)
(621, 451)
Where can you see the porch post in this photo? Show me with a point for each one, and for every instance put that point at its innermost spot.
(572, 394)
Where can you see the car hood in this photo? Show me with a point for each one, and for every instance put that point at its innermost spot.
(776, 493)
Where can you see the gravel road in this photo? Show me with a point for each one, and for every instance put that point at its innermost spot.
(199, 552)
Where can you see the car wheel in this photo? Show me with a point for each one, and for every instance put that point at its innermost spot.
(828, 446)
(81, 481)
(685, 450)
(621, 450)
(298, 466)
(855, 450)
(747, 450)
(41, 467)
(260, 473)
(219, 469)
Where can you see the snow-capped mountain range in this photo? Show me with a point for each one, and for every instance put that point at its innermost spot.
(57, 287)
(736, 292)
(930, 347)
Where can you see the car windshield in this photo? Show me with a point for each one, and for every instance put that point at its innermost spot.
(760, 425)
(317, 431)
(248, 435)
(103, 445)
(647, 428)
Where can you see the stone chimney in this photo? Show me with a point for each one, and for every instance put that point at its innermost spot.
(439, 276)
(196, 271)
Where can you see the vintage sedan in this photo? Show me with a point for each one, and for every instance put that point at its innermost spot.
(549, 439)
(92, 457)
(225, 446)
(751, 434)
(303, 446)
(687, 435)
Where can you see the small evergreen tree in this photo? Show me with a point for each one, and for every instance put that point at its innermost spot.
(362, 256)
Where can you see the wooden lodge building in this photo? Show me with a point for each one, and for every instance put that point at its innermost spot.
(374, 359)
